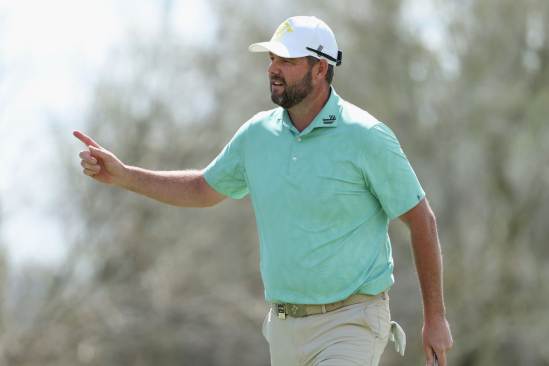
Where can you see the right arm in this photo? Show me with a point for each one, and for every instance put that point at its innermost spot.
(186, 188)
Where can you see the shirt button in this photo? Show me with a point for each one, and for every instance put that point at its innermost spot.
(294, 158)
(299, 139)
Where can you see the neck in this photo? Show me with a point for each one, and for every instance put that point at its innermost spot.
(305, 112)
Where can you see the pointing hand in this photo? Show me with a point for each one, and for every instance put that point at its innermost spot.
(99, 163)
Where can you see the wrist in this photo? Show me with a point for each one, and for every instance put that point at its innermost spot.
(432, 318)
(434, 311)
(122, 179)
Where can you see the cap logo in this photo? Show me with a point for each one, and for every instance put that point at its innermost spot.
(286, 27)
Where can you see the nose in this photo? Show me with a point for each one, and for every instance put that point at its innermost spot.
(273, 68)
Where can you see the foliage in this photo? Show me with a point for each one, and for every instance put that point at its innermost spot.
(151, 284)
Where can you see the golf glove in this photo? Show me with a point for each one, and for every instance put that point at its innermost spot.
(397, 335)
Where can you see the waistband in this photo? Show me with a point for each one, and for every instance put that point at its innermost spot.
(299, 310)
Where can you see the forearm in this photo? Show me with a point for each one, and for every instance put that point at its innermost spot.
(428, 260)
(426, 249)
(186, 188)
(178, 188)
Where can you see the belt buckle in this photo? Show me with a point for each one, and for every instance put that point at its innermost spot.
(281, 310)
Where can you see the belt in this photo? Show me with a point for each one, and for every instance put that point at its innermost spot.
(299, 310)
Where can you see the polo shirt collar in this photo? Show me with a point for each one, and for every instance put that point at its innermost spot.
(328, 116)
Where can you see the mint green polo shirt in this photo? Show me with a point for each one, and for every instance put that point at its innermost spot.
(323, 199)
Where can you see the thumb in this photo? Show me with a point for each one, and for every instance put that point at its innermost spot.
(100, 153)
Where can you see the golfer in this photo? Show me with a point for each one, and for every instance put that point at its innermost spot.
(325, 178)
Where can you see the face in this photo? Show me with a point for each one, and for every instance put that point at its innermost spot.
(290, 80)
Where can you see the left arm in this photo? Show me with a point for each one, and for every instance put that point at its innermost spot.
(428, 260)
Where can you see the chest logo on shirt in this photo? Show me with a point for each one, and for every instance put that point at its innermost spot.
(329, 121)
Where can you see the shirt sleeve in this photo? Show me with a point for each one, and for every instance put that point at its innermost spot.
(388, 174)
(227, 173)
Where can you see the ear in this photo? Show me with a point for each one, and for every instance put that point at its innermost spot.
(321, 69)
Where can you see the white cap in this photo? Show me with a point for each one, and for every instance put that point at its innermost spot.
(293, 38)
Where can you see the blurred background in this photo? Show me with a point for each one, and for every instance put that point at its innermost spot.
(93, 275)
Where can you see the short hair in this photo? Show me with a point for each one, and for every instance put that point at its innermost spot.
(329, 77)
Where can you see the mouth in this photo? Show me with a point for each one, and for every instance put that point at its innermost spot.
(275, 84)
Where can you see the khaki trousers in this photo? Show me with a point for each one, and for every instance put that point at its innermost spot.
(352, 335)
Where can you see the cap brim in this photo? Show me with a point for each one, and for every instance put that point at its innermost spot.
(278, 49)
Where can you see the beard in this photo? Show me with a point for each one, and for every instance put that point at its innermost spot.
(292, 94)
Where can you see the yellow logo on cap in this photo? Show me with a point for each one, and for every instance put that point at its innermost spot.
(284, 28)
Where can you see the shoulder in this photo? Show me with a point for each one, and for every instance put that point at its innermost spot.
(365, 128)
(258, 120)
(358, 120)
(266, 121)
(266, 117)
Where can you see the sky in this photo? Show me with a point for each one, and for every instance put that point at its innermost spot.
(51, 54)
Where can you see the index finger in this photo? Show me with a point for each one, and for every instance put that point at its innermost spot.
(85, 139)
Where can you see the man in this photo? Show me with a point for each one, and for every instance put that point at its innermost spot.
(325, 178)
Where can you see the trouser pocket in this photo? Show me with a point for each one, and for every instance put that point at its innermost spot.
(377, 317)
